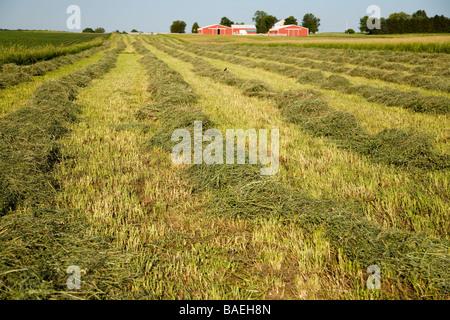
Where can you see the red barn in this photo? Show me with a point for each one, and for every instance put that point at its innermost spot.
(289, 30)
(243, 29)
(215, 29)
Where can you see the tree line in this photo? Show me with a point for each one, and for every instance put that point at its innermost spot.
(263, 22)
(97, 30)
(402, 22)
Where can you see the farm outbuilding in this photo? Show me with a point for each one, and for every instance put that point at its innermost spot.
(243, 29)
(240, 29)
(215, 29)
(224, 30)
(289, 30)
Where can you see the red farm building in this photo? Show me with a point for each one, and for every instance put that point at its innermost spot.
(289, 30)
(215, 29)
(279, 29)
(224, 30)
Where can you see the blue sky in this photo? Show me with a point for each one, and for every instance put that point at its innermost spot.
(157, 16)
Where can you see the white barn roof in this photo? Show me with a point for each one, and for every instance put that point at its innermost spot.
(243, 26)
(212, 25)
(287, 26)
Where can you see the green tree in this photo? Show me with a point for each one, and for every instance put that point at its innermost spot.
(420, 14)
(265, 24)
(134, 30)
(178, 26)
(258, 16)
(195, 27)
(399, 16)
(88, 30)
(311, 22)
(350, 31)
(99, 30)
(290, 20)
(226, 22)
(363, 24)
(400, 22)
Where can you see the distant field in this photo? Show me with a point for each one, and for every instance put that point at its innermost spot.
(30, 39)
(26, 47)
(431, 43)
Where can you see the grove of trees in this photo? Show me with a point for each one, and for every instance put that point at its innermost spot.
(402, 22)
(97, 30)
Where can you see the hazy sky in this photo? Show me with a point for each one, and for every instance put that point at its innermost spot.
(157, 16)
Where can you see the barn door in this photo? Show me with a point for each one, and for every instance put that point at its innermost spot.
(218, 31)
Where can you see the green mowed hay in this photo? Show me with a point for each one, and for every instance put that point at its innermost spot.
(38, 243)
(240, 191)
(28, 139)
(406, 99)
(400, 148)
(397, 147)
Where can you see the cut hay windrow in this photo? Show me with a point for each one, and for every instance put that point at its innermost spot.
(439, 47)
(240, 191)
(311, 111)
(343, 60)
(13, 74)
(390, 146)
(436, 81)
(429, 64)
(411, 152)
(412, 100)
(38, 239)
(29, 137)
(174, 100)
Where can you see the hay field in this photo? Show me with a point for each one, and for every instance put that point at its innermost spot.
(431, 43)
(86, 176)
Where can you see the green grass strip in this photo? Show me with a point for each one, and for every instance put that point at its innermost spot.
(433, 47)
